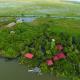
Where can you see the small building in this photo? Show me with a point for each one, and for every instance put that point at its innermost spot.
(12, 32)
(59, 56)
(12, 24)
(29, 55)
(59, 47)
(49, 62)
(53, 44)
(19, 20)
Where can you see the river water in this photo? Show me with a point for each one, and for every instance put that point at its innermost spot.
(11, 70)
(30, 18)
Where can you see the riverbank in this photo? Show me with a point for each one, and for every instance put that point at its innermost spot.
(29, 37)
(12, 20)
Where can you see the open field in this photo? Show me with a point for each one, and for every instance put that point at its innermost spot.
(8, 8)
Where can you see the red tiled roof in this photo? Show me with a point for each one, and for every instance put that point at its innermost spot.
(59, 56)
(28, 55)
(49, 62)
(59, 47)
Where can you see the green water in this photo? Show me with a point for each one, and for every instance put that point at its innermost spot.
(13, 71)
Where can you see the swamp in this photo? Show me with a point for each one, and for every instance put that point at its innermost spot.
(39, 41)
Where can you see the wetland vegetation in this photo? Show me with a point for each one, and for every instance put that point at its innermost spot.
(56, 21)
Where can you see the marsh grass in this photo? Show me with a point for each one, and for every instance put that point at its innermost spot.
(38, 8)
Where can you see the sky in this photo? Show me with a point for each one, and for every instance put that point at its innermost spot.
(73, 0)
(42, 0)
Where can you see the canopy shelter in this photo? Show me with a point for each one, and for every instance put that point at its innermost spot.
(29, 55)
(49, 62)
(59, 56)
(59, 47)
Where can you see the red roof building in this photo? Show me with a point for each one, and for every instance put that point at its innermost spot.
(29, 55)
(59, 56)
(59, 47)
(49, 62)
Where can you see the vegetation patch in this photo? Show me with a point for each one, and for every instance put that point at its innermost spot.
(45, 40)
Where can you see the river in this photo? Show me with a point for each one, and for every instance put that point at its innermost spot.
(12, 70)
(30, 18)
